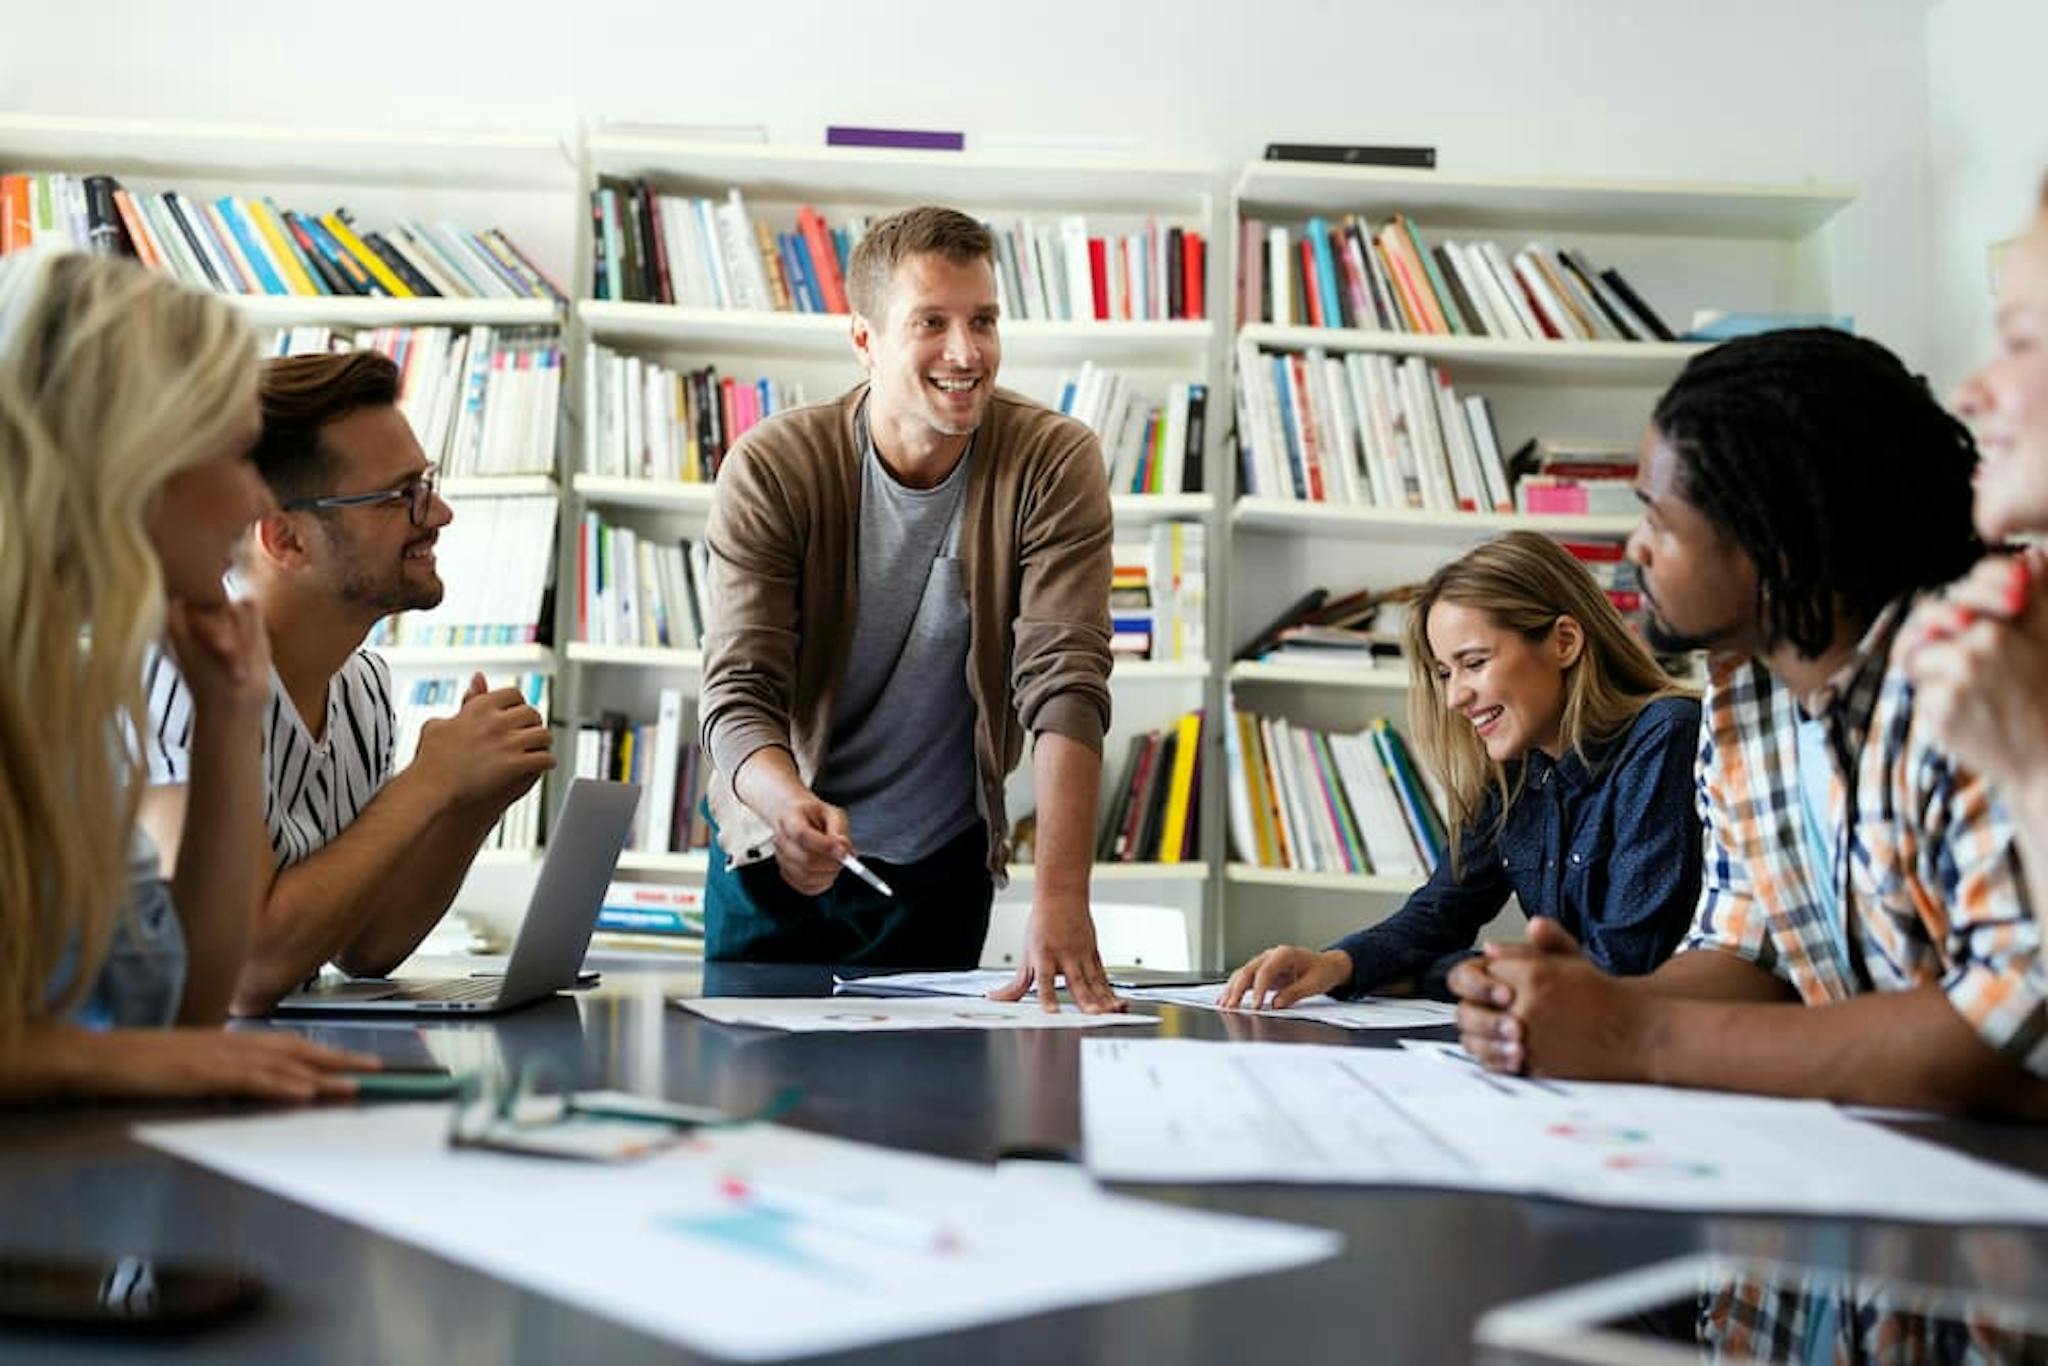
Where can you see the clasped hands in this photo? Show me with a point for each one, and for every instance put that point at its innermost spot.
(1542, 1007)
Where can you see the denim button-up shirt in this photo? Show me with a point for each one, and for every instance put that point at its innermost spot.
(1607, 843)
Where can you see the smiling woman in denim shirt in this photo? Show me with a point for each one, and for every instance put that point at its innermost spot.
(1567, 758)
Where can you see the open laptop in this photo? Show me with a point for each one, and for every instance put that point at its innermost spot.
(589, 834)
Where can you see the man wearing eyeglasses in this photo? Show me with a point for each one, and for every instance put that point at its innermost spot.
(364, 861)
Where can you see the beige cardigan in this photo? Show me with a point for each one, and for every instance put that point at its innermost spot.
(1035, 530)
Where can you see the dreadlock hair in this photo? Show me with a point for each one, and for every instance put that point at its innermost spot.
(1832, 466)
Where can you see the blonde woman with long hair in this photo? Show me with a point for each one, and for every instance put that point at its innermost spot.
(1566, 757)
(127, 408)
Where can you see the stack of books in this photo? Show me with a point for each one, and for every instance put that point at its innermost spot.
(635, 590)
(1155, 812)
(1388, 279)
(1158, 594)
(1148, 448)
(424, 698)
(496, 561)
(706, 253)
(645, 421)
(251, 246)
(1358, 630)
(659, 910)
(1328, 802)
(1579, 478)
(1607, 562)
(664, 758)
(1065, 272)
(481, 400)
(1366, 430)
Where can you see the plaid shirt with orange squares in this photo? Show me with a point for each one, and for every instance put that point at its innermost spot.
(1927, 882)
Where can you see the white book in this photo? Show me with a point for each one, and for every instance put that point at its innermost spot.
(1510, 287)
(657, 812)
(1174, 446)
(1490, 286)
(1243, 829)
(1383, 473)
(1315, 811)
(1467, 481)
(1341, 479)
(1387, 842)
(1489, 321)
(1052, 279)
(1553, 308)
(1479, 418)
(1255, 427)
(1417, 405)
(1580, 296)
(1279, 750)
(1080, 275)
(711, 245)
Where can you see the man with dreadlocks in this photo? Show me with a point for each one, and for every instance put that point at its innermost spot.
(1863, 932)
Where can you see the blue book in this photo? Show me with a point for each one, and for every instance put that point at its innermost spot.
(1297, 467)
(1067, 393)
(842, 246)
(342, 259)
(809, 266)
(252, 249)
(292, 245)
(1326, 273)
(801, 289)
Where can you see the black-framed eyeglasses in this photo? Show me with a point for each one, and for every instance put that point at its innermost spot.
(417, 494)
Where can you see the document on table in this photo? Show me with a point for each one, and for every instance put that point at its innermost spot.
(1371, 1012)
(751, 1243)
(866, 1014)
(1367, 1012)
(1181, 1110)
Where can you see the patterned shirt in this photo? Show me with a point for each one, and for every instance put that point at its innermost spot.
(1927, 885)
(314, 789)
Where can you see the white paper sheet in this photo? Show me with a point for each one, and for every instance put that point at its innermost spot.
(1183, 1110)
(1367, 1012)
(1370, 1012)
(843, 1244)
(866, 1014)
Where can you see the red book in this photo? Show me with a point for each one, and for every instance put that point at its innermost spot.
(1595, 552)
(1098, 276)
(1310, 293)
(728, 413)
(824, 257)
(1197, 260)
(1625, 599)
(664, 287)
(1310, 455)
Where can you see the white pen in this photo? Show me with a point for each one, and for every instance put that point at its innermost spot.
(865, 874)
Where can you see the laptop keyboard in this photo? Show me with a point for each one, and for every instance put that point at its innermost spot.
(455, 989)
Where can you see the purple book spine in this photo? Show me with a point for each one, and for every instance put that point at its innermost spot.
(923, 139)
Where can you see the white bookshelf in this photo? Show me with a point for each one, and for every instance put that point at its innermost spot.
(1681, 244)
(1125, 872)
(451, 658)
(635, 656)
(497, 485)
(330, 310)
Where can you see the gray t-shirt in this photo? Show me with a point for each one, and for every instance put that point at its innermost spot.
(901, 760)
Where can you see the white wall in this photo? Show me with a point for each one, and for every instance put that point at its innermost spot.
(1741, 89)
(1988, 140)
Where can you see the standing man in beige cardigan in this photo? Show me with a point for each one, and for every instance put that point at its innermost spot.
(905, 582)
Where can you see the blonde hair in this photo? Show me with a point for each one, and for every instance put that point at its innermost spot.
(1524, 582)
(111, 380)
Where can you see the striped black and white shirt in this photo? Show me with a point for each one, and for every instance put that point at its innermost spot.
(314, 790)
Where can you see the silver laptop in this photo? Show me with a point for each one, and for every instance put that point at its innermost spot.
(589, 834)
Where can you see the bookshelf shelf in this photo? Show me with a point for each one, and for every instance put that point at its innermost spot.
(886, 176)
(1387, 677)
(1639, 207)
(1377, 884)
(1140, 509)
(1448, 529)
(662, 495)
(1159, 671)
(1126, 872)
(294, 310)
(497, 485)
(423, 658)
(696, 861)
(1491, 358)
(636, 656)
(813, 335)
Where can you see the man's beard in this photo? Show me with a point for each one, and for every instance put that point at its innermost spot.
(384, 594)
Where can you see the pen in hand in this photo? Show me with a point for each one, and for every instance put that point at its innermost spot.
(865, 874)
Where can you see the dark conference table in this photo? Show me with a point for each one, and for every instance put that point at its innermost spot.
(1417, 1268)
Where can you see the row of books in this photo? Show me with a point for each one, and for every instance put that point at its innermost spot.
(1065, 273)
(643, 420)
(1156, 813)
(424, 698)
(1159, 592)
(663, 757)
(658, 910)
(251, 246)
(481, 400)
(1349, 274)
(495, 560)
(1147, 448)
(636, 590)
(1327, 801)
(1367, 430)
(1576, 477)
(658, 248)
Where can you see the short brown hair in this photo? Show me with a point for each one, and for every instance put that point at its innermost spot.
(925, 230)
(299, 396)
